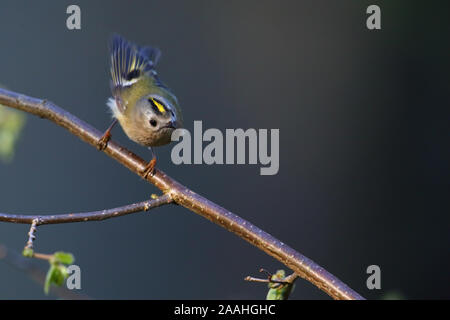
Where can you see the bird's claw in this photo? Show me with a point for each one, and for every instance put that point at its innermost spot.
(103, 142)
(149, 169)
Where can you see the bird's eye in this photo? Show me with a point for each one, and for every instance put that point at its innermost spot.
(153, 123)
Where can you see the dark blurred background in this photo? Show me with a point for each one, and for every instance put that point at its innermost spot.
(364, 144)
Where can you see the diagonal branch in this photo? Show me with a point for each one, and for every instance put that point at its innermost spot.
(183, 196)
(84, 216)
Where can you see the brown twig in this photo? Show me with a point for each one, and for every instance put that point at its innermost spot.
(84, 216)
(32, 234)
(42, 256)
(287, 280)
(183, 196)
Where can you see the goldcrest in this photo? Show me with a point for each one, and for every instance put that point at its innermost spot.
(145, 107)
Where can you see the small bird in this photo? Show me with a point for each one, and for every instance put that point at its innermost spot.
(145, 107)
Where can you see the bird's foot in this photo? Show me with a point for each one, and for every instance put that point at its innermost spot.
(102, 143)
(149, 169)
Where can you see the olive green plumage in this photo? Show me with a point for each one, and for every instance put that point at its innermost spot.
(145, 108)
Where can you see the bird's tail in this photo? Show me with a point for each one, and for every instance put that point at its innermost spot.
(129, 61)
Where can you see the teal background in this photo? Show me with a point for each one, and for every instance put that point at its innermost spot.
(364, 144)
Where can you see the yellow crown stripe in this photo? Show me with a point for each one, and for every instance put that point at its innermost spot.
(133, 63)
(159, 106)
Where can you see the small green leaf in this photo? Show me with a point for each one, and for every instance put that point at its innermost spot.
(63, 257)
(393, 295)
(49, 279)
(56, 275)
(60, 275)
(273, 294)
(27, 252)
(279, 291)
(278, 276)
(11, 125)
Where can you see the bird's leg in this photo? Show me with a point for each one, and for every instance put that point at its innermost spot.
(103, 142)
(150, 167)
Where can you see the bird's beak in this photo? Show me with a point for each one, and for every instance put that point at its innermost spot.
(170, 125)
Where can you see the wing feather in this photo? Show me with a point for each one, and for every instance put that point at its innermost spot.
(129, 61)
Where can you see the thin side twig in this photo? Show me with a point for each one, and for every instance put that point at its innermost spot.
(84, 216)
(303, 266)
(32, 234)
(287, 280)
